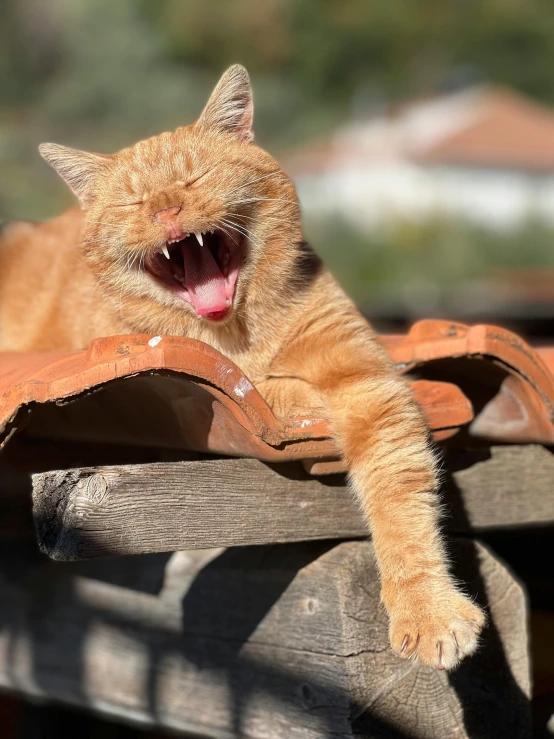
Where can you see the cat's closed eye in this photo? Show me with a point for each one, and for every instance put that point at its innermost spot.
(196, 179)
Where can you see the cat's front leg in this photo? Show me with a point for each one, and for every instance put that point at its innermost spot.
(384, 440)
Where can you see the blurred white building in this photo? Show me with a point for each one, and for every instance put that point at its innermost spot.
(485, 154)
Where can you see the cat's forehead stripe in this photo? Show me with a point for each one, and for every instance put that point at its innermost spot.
(169, 157)
(148, 194)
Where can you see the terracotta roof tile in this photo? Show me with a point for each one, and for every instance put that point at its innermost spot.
(184, 394)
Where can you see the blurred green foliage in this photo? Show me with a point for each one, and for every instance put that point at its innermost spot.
(430, 267)
(100, 74)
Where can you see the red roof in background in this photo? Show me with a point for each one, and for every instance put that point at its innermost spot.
(509, 130)
(483, 127)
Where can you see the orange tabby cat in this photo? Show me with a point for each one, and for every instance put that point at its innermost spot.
(197, 233)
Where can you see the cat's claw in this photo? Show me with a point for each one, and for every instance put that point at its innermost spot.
(439, 637)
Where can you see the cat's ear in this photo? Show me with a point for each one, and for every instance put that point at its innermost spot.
(230, 107)
(80, 169)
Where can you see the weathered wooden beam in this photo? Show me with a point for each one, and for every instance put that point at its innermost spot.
(258, 642)
(116, 510)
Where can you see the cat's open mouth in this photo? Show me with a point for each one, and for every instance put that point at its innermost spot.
(201, 269)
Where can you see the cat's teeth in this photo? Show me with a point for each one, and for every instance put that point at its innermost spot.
(199, 237)
(166, 251)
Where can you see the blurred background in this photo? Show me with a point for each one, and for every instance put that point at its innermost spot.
(420, 135)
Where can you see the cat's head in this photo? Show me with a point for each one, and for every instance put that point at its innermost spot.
(194, 223)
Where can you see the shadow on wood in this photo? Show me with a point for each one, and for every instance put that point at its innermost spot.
(257, 642)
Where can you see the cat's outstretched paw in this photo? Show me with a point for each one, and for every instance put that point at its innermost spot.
(438, 634)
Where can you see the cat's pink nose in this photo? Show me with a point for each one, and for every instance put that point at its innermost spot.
(166, 215)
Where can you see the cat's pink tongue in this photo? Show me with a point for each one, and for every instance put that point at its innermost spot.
(203, 278)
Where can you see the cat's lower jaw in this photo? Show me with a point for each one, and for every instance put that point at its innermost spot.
(434, 624)
(219, 315)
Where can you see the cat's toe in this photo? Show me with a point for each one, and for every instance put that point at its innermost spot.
(438, 637)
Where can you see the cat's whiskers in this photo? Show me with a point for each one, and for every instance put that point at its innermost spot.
(259, 199)
(249, 235)
(130, 261)
(123, 264)
(142, 260)
(227, 233)
(278, 219)
(244, 230)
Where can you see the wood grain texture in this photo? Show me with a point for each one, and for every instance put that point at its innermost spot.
(274, 642)
(131, 509)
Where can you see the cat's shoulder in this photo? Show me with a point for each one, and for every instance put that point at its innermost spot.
(16, 228)
(15, 234)
(14, 238)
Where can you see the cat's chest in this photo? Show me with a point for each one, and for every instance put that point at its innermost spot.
(254, 364)
(254, 359)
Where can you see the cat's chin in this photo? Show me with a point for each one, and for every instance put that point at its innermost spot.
(200, 269)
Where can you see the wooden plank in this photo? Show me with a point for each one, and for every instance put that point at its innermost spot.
(102, 511)
(284, 641)
(499, 486)
(170, 506)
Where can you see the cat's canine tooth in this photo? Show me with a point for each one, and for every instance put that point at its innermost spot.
(166, 251)
(199, 237)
